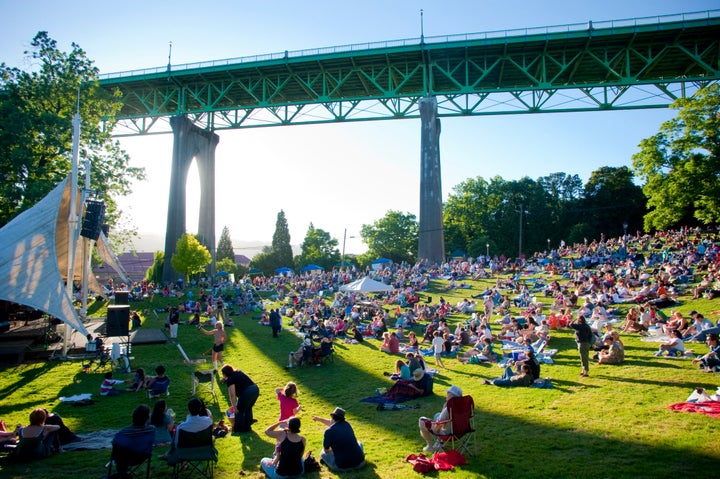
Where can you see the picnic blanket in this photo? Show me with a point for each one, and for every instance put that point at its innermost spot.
(94, 440)
(709, 408)
(398, 393)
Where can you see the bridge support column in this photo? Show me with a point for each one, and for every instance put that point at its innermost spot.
(190, 142)
(431, 239)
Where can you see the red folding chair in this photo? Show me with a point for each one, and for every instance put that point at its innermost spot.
(459, 430)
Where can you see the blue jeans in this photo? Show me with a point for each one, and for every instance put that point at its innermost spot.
(329, 459)
(269, 468)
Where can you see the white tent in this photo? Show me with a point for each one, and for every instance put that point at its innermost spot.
(366, 285)
(34, 256)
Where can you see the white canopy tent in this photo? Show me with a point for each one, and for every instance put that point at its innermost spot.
(34, 257)
(366, 285)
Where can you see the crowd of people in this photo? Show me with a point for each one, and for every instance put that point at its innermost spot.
(644, 274)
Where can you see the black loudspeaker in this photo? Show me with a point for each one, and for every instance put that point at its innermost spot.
(122, 298)
(93, 219)
(118, 320)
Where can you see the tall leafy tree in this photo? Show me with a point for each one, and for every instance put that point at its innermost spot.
(466, 216)
(36, 111)
(318, 248)
(393, 236)
(612, 199)
(225, 248)
(190, 256)
(520, 216)
(281, 248)
(680, 165)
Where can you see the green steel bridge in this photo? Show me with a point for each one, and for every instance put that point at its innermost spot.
(609, 65)
(612, 65)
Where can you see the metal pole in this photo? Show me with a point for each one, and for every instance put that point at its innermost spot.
(87, 248)
(520, 233)
(72, 222)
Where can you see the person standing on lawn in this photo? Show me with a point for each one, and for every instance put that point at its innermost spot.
(219, 343)
(583, 338)
(243, 394)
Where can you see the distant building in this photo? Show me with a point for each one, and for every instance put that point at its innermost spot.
(136, 265)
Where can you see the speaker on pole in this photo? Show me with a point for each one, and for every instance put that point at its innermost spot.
(118, 320)
(93, 219)
(122, 297)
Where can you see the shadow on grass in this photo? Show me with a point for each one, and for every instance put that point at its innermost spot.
(27, 376)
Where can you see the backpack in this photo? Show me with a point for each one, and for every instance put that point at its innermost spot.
(311, 464)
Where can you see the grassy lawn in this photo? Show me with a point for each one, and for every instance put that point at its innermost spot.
(614, 424)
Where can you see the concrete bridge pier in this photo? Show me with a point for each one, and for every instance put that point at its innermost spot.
(190, 142)
(431, 238)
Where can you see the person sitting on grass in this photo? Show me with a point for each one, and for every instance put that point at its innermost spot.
(402, 371)
(341, 449)
(138, 380)
(481, 353)
(390, 343)
(510, 379)
(289, 449)
(158, 384)
(107, 387)
(613, 353)
(675, 346)
(710, 361)
(36, 440)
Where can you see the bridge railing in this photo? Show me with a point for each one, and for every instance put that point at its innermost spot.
(606, 25)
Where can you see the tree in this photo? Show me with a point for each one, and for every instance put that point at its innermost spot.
(611, 200)
(265, 261)
(281, 249)
(680, 165)
(155, 271)
(393, 236)
(190, 256)
(318, 248)
(227, 265)
(225, 248)
(466, 217)
(36, 111)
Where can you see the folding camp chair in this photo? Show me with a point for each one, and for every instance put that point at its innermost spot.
(459, 429)
(327, 352)
(194, 453)
(130, 453)
(308, 357)
(205, 379)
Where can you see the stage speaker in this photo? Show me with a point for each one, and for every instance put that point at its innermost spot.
(118, 320)
(122, 298)
(93, 219)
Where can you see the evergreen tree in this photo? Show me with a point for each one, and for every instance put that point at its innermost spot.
(281, 249)
(224, 247)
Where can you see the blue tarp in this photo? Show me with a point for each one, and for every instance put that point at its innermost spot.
(382, 260)
(312, 267)
(284, 270)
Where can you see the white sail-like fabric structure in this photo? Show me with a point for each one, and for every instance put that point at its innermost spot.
(34, 257)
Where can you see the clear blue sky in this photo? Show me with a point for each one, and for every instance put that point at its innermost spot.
(336, 176)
